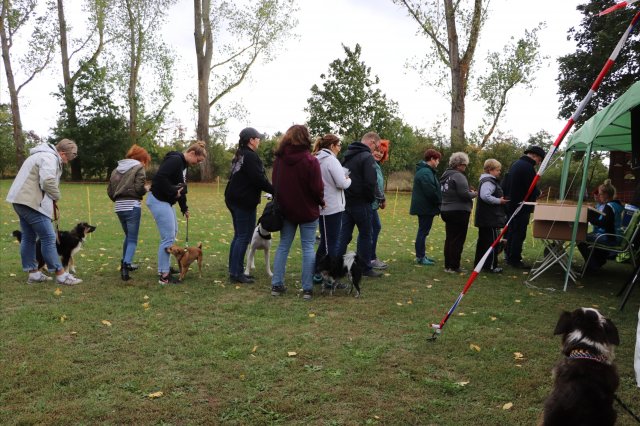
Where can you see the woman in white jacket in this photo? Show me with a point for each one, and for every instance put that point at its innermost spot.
(336, 180)
(33, 194)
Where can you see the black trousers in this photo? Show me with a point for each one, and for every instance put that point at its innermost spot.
(516, 234)
(486, 237)
(456, 225)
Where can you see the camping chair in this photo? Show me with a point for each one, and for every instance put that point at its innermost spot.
(624, 246)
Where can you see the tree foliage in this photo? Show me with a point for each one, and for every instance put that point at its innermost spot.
(349, 104)
(595, 40)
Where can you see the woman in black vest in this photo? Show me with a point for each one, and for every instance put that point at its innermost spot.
(490, 214)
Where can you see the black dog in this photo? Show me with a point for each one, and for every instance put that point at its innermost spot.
(68, 244)
(586, 379)
(350, 265)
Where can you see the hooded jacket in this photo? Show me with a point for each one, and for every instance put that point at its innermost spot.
(171, 173)
(247, 181)
(335, 181)
(37, 183)
(425, 195)
(360, 162)
(455, 192)
(298, 183)
(517, 183)
(127, 181)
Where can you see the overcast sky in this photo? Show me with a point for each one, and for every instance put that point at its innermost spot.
(276, 94)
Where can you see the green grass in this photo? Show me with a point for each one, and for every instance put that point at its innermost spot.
(219, 352)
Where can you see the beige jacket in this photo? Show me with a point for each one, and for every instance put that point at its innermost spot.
(37, 182)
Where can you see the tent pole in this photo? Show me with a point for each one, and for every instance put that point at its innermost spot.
(576, 222)
(565, 174)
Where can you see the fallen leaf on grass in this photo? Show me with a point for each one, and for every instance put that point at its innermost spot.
(146, 306)
(517, 300)
(460, 314)
(429, 286)
(62, 318)
(237, 287)
(12, 275)
(493, 318)
(146, 297)
(462, 383)
(58, 292)
(399, 303)
(255, 348)
(409, 302)
(155, 394)
(292, 353)
(507, 406)
(107, 323)
(436, 280)
(518, 356)
(474, 347)
(312, 315)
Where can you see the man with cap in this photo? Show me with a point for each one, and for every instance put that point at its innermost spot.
(518, 181)
(247, 180)
(33, 194)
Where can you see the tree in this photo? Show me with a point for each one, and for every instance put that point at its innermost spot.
(7, 157)
(596, 38)
(441, 28)
(516, 64)
(252, 32)
(15, 15)
(348, 104)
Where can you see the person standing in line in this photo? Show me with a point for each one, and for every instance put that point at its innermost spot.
(127, 186)
(517, 183)
(457, 202)
(33, 194)
(360, 162)
(298, 182)
(242, 196)
(380, 155)
(168, 187)
(425, 201)
(490, 215)
(335, 180)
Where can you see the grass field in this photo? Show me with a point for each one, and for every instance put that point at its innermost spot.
(208, 352)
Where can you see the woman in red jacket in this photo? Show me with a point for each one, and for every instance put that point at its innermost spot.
(297, 182)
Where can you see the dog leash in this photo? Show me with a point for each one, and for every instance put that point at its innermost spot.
(627, 409)
(186, 239)
(324, 227)
(56, 219)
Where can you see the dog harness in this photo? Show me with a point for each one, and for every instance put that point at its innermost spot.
(582, 354)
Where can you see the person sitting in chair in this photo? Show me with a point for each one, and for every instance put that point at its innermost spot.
(609, 221)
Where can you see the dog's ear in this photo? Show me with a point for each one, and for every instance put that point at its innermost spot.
(564, 324)
(611, 332)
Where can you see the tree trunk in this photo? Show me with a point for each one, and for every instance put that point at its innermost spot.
(135, 40)
(204, 50)
(18, 137)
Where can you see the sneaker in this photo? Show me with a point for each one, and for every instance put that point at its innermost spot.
(318, 279)
(67, 279)
(167, 279)
(37, 277)
(424, 261)
(372, 273)
(242, 278)
(496, 270)
(430, 259)
(456, 270)
(306, 294)
(132, 267)
(277, 290)
(378, 264)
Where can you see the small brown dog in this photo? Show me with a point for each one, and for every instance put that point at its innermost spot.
(186, 256)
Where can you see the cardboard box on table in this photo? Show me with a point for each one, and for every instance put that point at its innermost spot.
(555, 221)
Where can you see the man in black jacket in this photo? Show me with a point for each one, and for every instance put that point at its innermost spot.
(359, 196)
(518, 181)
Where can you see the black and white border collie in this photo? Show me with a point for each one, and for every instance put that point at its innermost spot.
(350, 265)
(68, 244)
(585, 379)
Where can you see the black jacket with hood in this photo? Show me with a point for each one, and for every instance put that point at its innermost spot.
(360, 162)
(247, 181)
(169, 177)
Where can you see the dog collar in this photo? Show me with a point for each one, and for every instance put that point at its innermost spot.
(266, 237)
(582, 354)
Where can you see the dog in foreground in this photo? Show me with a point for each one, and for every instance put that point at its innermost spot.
(585, 379)
(261, 240)
(350, 265)
(69, 243)
(185, 256)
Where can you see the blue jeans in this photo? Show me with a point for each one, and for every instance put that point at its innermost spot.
(244, 222)
(307, 240)
(34, 224)
(376, 227)
(360, 216)
(424, 227)
(130, 221)
(167, 224)
(330, 226)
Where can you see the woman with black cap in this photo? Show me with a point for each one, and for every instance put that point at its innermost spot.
(242, 196)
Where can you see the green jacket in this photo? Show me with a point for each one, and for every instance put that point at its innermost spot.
(425, 196)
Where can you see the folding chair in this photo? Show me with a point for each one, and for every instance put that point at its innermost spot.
(624, 246)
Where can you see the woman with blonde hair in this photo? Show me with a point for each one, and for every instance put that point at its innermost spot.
(169, 186)
(127, 186)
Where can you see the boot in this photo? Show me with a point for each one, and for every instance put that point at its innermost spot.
(124, 271)
(132, 267)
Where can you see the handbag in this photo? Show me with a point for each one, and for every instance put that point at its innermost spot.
(272, 218)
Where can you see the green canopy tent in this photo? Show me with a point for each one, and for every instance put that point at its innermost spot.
(608, 130)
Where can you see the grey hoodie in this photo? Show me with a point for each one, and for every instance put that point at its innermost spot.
(455, 192)
(335, 182)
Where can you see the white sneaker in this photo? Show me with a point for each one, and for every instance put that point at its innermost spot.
(37, 277)
(67, 279)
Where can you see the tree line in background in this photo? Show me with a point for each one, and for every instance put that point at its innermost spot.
(106, 105)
